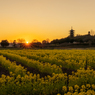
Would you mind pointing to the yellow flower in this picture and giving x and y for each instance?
(83, 87)
(71, 89)
(28, 72)
(93, 86)
(81, 90)
(64, 88)
(69, 93)
(76, 87)
(88, 86)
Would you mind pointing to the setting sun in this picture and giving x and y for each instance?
(27, 42)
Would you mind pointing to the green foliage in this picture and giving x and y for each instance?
(22, 82)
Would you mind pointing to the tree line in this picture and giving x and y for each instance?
(47, 43)
(22, 43)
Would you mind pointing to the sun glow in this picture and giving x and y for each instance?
(27, 42)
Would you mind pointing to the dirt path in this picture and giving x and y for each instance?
(3, 71)
(30, 69)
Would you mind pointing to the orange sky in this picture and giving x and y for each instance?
(42, 19)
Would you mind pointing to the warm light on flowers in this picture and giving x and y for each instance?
(51, 62)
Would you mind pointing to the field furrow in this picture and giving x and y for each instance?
(47, 72)
(44, 68)
(68, 60)
(3, 71)
(29, 69)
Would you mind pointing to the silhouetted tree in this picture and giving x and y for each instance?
(36, 43)
(55, 41)
(21, 40)
(47, 40)
(14, 43)
(44, 42)
(72, 40)
(4, 43)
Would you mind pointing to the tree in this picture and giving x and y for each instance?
(44, 42)
(47, 40)
(35, 41)
(55, 41)
(4, 43)
(36, 44)
(14, 43)
(21, 40)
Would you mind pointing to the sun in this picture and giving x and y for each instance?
(27, 42)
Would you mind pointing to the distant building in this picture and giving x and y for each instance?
(71, 33)
(89, 33)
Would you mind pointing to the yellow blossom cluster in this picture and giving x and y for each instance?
(22, 82)
(12, 67)
(44, 68)
(73, 59)
(31, 84)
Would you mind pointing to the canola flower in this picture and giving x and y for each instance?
(46, 67)
(81, 82)
(68, 59)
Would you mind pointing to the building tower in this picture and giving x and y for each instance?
(89, 33)
(71, 33)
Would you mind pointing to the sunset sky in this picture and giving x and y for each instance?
(42, 19)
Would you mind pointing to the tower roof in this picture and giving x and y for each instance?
(71, 32)
(72, 28)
